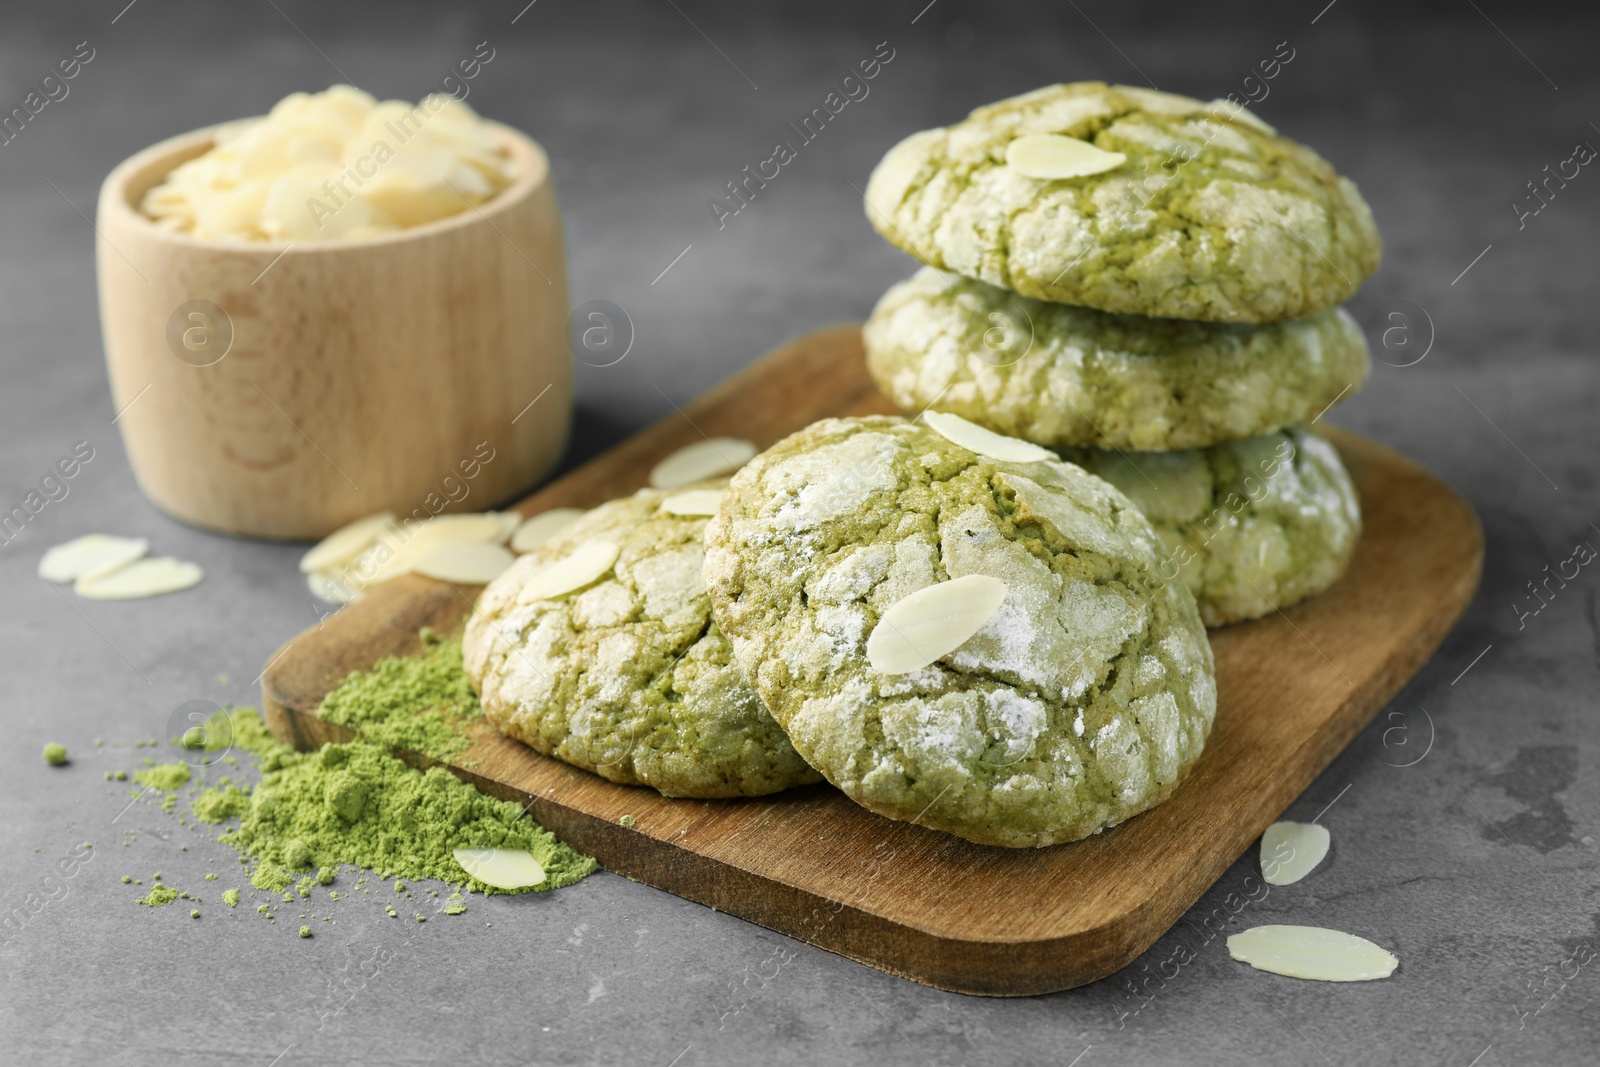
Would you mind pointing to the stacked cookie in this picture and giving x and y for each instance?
(1149, 285)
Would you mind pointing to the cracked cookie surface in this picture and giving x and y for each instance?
(1211, 216)
(1068, 376)
(628, 676)
(1082, 701)
(1252, 526)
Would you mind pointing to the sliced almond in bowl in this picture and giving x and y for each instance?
(503, 868)
(933, 622)
(89, 556)
(974, 438)
(346, 543)
(1312, 952)
(464, 562)
(1051, 156)
(142, 578)
(693, 502)
(701, 460)
(572, 571)
(542, 527)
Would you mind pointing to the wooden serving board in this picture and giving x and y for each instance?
(1293, 689)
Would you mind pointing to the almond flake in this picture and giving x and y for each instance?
(693, 502)
(573, 571)
(1050, 156)
(933, 622)
(411, 543)
(701, 460)
(542, 527)
(333, 588)
(1292, 850)
(974, 438)
(145, 577)
(345, 544)
(90, 556)
(1312, 952)
(474, 526)
(368, 568)
(503, 868)
(464, 562)
(509, 522)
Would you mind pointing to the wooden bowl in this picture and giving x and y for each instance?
(282, 391)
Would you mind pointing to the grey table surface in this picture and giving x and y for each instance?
(1463, 819)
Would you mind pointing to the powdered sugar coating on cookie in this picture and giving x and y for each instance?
(1251, 526)
(821, 534)
(627, 675)
(1068, 376)
(1210, 217)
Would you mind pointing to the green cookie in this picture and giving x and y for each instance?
(1066, 376)
(1252, 525)
(626, 675)
(1210, 215)
(1080, 702)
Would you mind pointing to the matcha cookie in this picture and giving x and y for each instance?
(1252, 526)
(1207, 215)
(598, 648)
(1080, 694)
(1066, 376)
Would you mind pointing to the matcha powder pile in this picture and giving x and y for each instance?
(355, 803)
(420, 702)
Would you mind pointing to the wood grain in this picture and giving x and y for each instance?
(1293, 689)
(362, 375)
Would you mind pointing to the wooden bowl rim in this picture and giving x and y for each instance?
(533, 171)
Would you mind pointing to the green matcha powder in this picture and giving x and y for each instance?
(355, 803)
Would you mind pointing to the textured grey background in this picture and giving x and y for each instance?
(1477, 865)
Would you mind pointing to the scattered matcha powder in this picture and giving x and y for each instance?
(55, 754)
(355, 803)
(421, 703)
(194, 913)
(211, 877)
(305, 931)
(166, 777)
(216, 805)
(158, 895)
(626, 822)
